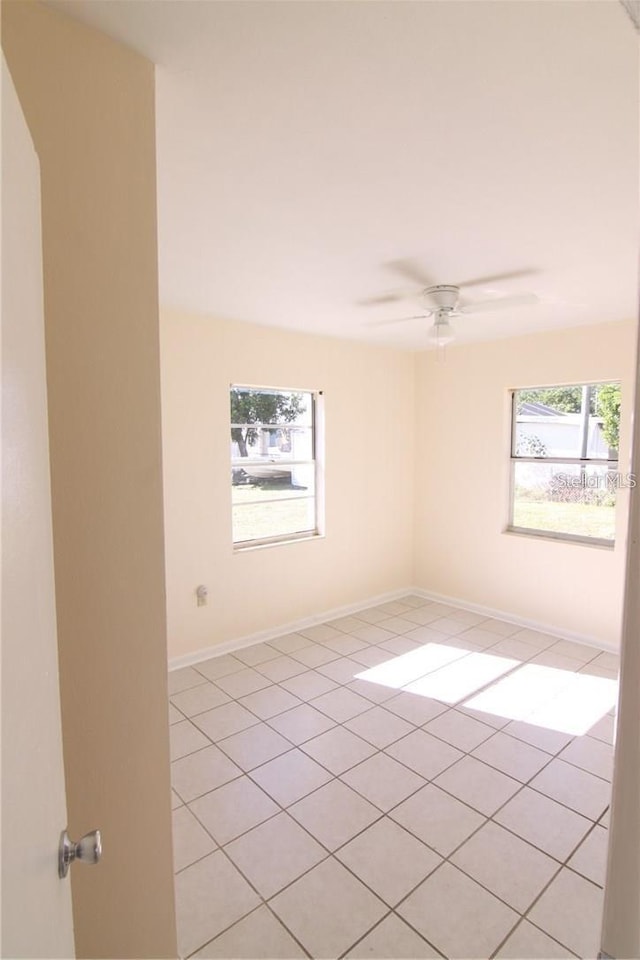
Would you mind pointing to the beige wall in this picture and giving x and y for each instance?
(368, 397)
(462, 488)
(89, 103)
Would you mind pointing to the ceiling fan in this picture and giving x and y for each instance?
(443, 302)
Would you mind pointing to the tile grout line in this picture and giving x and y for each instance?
(377, 750)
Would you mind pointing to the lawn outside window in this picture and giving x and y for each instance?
(274, 464)
(564, 462)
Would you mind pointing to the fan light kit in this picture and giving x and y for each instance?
(442, 301)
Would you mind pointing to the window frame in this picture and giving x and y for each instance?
(583, 539)
(316, 462)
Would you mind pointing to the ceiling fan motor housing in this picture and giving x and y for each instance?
(443, 296)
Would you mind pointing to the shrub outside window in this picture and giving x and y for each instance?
(564, 461)
(274, 468)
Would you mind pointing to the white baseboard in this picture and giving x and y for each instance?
(228, 646)
(524, 622)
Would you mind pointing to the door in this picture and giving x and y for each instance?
(36, 904)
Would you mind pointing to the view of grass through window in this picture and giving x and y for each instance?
(273, 464)
(564, 461)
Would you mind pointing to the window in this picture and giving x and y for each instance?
(564, 461)
(274, 464)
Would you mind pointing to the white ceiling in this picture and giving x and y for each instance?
(304, 147)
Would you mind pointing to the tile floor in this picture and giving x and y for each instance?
(410, 781)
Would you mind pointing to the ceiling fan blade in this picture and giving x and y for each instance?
(383, 298)
(501, 303)
(384, 323)
(411, 270)
(496, 278)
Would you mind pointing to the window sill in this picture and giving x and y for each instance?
(246, 548)
(565, 538)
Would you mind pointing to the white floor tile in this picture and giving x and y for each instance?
(290, 777)
(379, 727)
(383, 781)
(183, 679)
(438, 819)
(198, 699)
(372, 633)
(482, 637)
(371, 615)
(269, 702)
(423, 753)
(460, 679)
(343, 670)
(174, 715)
(551, 741)
(392, 938)
(334, 814)
(274, 854)
(175, 800)
(341, 704)
(345, 644)
(320, 632)
(201, 772)
(290, 642)
(259, 936)
(590, 754)
(449, 626)
(301, 724)
(190, 840)
(256, 654)
(371, 656)
(528, 941)
(513, 757)
(459, 729)
(536, 638)
(513, 870)
(223, 721)
(338, 749)
(398, 645)
(328, 910)
(220, 667)
(242, 683)
(389, 860)
(375, 692)
(314, 655)
(604, 729)
(210, 896)
(577, 651)
(233, 809)
(460, 918)
(398, 625)
(346, 624)
(253, 747)
(477, 784)
(570, 911)
(414, 708)
(308, 685)
(184, 738)
(501, 627)
(282, 668)
(422, 615)
(590, 859)
(576, 788)
(547, 824)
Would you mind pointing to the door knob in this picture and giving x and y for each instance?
(88, 849)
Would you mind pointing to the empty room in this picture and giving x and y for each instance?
(327, 379)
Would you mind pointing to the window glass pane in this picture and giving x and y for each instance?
(565, 498)
(552, 421)
(261, 483)
(259, 521)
